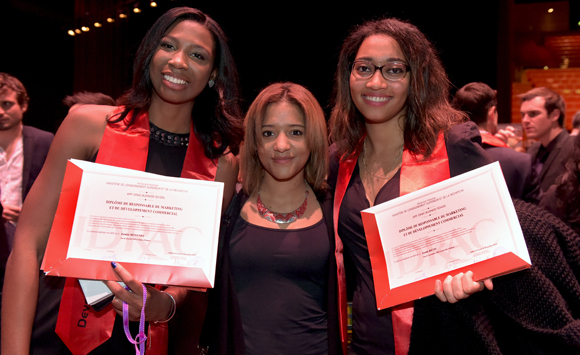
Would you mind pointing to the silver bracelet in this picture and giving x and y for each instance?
(171, 311)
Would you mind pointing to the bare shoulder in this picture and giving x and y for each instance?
(90, 117)
(228, 163)
(82, 130)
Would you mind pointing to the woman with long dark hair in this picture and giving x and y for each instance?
(180, 118)
(394, 132)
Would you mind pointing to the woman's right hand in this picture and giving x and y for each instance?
(460, 286)
(158, 306)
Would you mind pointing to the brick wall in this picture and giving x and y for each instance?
(566, 82)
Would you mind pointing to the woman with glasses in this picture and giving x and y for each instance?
(180, 118)
(390, 117)
(276, 282)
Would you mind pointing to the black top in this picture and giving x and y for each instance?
(372, 329)
(549, 162)
(161, 159)
(280, 276)
(223, 331)
(165, 160)
(522, 180)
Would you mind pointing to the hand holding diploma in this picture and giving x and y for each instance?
(450, 227)
(158, 306)
(460, 286)
(154, 224)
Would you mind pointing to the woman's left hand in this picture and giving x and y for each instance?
(459, 287)
(157, 306)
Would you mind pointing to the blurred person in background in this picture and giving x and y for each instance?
(479, 102)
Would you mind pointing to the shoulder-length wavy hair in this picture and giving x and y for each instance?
(428, 108)
(315, 129)
(217, 117)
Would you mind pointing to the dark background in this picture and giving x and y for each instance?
(289, 41)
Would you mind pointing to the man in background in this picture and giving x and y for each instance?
(542, 112)
(23, 150)
(479, 102)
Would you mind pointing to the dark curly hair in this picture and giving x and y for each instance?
(86, 97)
(217, 117)
(568, 188)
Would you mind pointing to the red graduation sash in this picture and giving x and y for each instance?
(489, 139)
(79, 326)
(415, 174)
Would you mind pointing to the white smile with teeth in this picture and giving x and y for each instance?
(174, 80)
(376, 98)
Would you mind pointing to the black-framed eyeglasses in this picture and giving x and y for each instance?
(362, 69)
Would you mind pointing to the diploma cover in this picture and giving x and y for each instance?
(466, 223)
(127, 147)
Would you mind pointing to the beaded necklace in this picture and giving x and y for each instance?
(282, 218)
(168, 138)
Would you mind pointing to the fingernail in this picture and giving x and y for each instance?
(113, 264)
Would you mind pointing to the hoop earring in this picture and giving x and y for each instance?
(211, 83)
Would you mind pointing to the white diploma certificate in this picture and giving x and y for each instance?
(140, 218)
(460, 224)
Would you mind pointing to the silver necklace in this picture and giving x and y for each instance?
(392, 170)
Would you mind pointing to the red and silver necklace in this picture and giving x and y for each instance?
(282, 218)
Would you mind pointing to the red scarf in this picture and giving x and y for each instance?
(415, 174)
(489, 139)
(78, 325)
